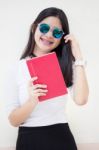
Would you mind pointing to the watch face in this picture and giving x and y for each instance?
(80, 63)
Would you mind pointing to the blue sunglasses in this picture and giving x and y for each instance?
(56, 32)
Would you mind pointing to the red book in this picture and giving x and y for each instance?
(48, 71)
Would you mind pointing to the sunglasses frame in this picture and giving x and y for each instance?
(52, 30)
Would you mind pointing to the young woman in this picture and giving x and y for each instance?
(43, 125)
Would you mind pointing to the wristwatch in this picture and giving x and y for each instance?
(80, 62)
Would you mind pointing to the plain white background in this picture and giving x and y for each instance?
(83, 15)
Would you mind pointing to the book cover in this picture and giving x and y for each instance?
(48, 71)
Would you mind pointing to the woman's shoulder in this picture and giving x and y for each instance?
(23, 60)
(13, 66)
(20, 62)
(17, 65)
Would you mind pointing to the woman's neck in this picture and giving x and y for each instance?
(38, 52)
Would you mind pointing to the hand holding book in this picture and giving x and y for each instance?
(48, 71)
(36, 90)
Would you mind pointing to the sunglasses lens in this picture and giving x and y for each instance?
(57, 33)
(44, 28)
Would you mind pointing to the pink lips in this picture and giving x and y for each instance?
(46, 42)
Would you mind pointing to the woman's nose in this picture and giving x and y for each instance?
(49, 34)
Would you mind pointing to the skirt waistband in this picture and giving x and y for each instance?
(40, 128)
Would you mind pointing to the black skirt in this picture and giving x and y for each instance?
(52, 137)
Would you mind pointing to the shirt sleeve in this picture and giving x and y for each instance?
(11, 90)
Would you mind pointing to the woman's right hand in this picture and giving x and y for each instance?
(36, 90)
(19, 115)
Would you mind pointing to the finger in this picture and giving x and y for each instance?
(66, 40)
(67, 36)
(35, 93)
(32, 80)
(41, 94)
(40, 86)
(40, 91)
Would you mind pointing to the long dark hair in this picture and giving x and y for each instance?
(63, 51)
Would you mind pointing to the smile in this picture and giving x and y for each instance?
(46, 42)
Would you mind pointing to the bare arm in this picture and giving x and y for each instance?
(80, 87)
(19, 115)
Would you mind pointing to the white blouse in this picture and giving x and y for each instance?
(47, 112)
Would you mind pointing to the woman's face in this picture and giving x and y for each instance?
(45, 42)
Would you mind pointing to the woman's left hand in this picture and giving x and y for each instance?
(74, 45)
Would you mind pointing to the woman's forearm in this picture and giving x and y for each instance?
(19, 115)
(80, 89)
